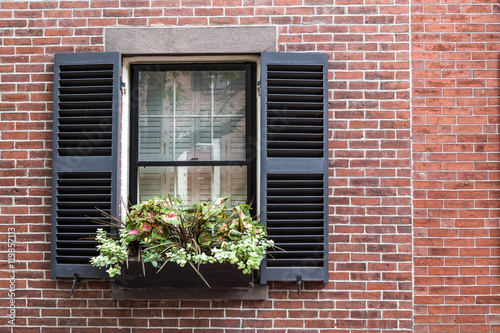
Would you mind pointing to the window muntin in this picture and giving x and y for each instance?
(192, 132)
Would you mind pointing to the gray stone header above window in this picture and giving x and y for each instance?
(191, 40)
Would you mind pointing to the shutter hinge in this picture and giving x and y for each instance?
(258, 87)
(75, 280)
(123, 87)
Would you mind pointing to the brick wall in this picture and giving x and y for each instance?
(370, 167)
(456, 165)
(448, 149)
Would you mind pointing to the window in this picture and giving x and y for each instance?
(193, 132)
(196, 136)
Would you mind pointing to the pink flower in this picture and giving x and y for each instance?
(133, 232)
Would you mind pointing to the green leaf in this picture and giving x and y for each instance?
(210, 225)
(235, 232)
(131, 238)
(166, 220)
(205, 239)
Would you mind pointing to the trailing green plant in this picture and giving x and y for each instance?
(162, 229)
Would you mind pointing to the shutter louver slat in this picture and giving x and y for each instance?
(294, 187)
(74, 242)
(85, 158)
(290, 88)
(292, 212)
(85, 87)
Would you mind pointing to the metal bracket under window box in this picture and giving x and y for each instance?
(175, 282)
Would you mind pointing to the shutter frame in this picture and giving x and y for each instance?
(85, 156)
(294, 165)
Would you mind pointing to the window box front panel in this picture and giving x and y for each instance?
(218, 275)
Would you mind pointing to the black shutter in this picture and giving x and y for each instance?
(85, 156)
(294, 165)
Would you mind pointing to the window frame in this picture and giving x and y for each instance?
(251, 121)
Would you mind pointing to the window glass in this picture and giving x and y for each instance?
(194, 183)
(191, 137)
(191, 115)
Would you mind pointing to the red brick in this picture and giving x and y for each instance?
(104, 3)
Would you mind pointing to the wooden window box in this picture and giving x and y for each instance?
(175, 282)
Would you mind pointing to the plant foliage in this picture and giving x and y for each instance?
(162, 230)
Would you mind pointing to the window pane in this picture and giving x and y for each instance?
(194, 184)
(191, 115)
